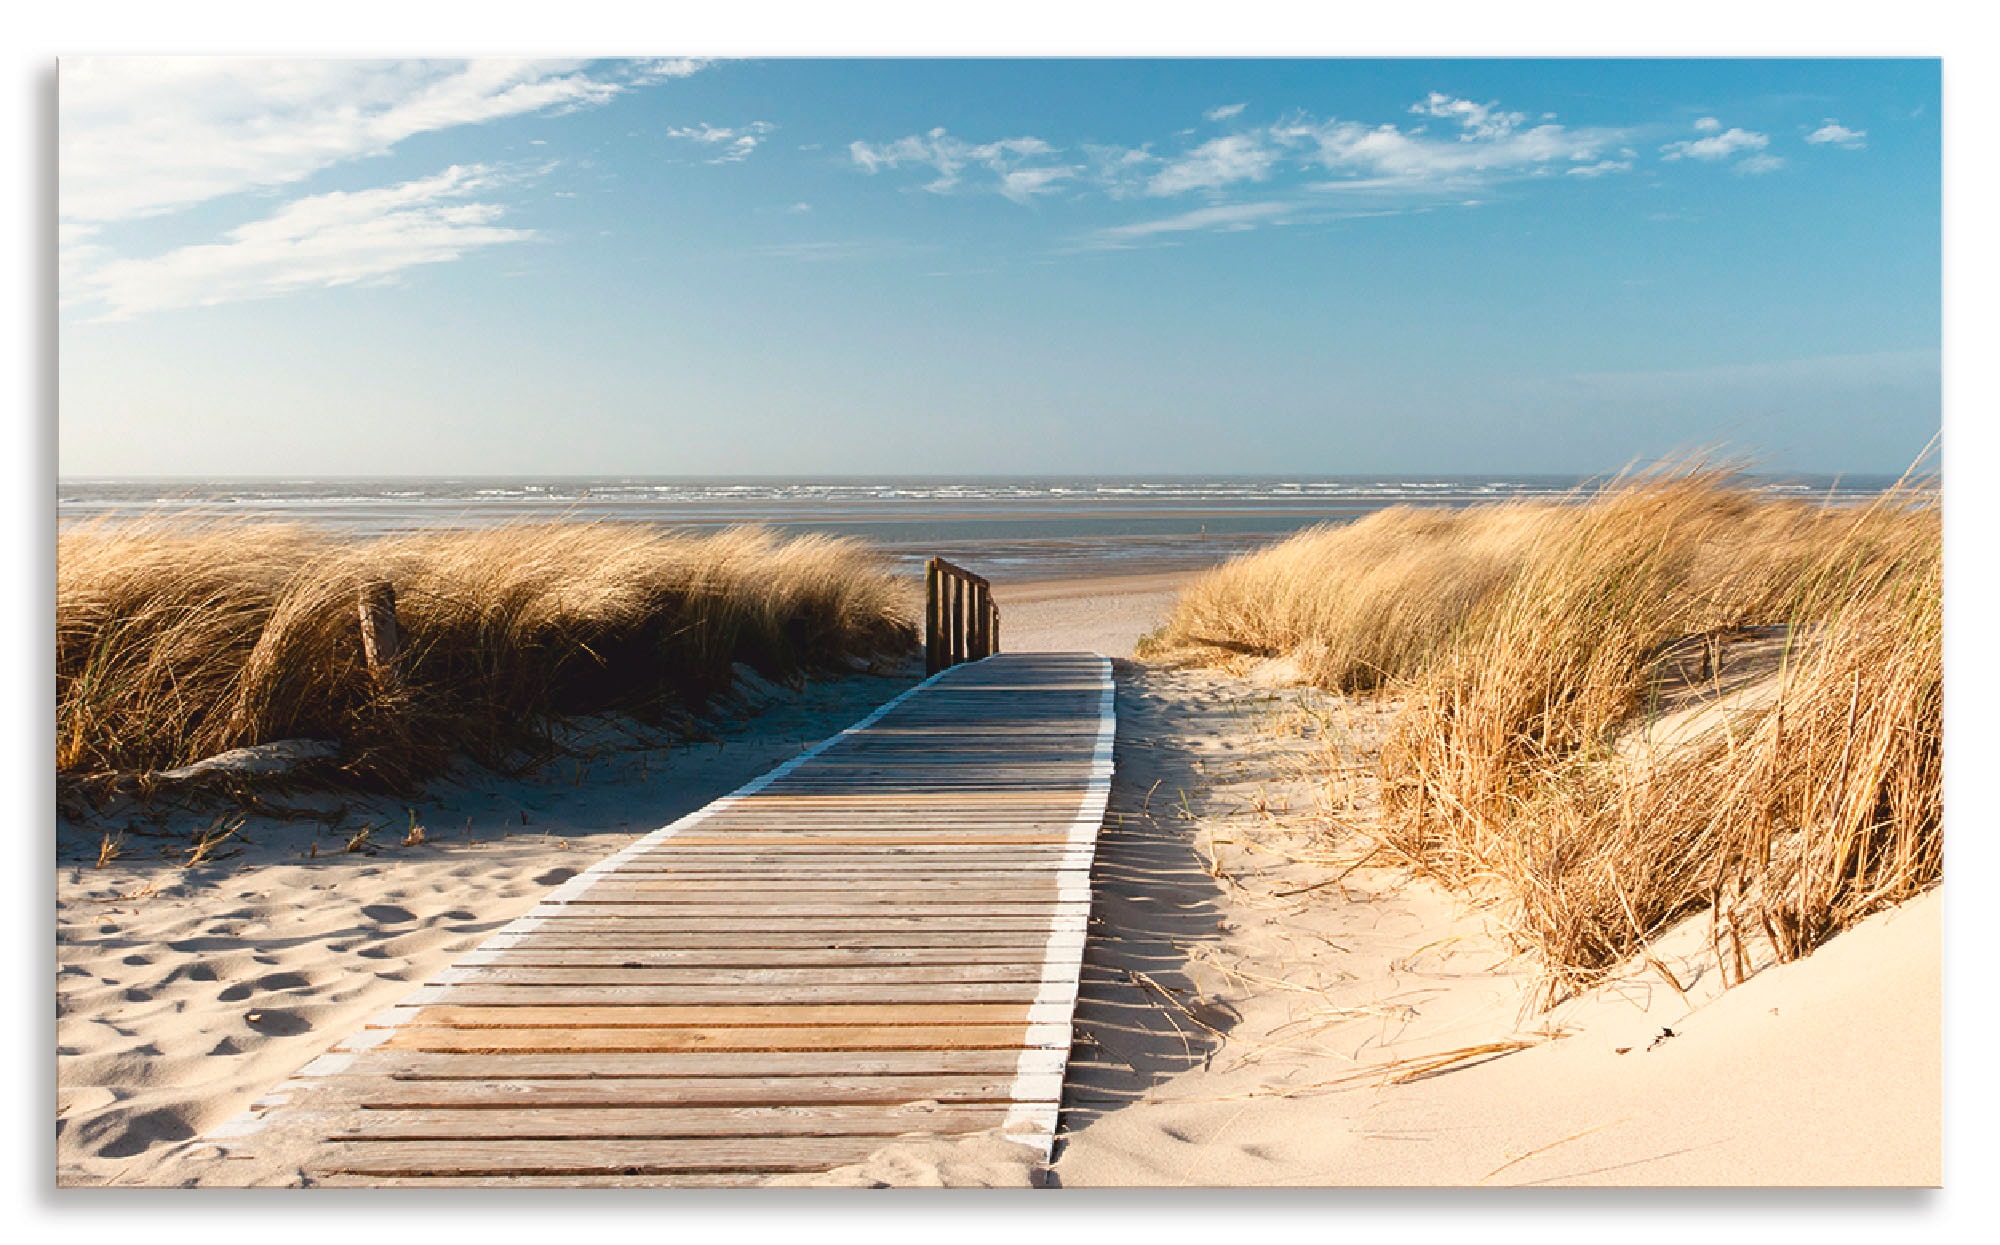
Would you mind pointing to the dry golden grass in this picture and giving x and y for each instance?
(176, 640)
(1526, 640)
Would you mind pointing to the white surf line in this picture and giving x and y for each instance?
(377, 1029)
(1038, 1078)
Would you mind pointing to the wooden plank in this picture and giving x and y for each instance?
(941, 946)
(594, 1158)
(527, 1123)
(782, 1038)
(719, 1016)
(732, 1067)
(850, 927)
(756, 977)
(742, 1091)
(637, 913)
(859, 886)
(678, 1180)
(757, 993)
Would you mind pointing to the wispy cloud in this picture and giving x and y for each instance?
(1839, 135)
(1296, 209)
(1717, 146)
(1217, 163)
(342, 238)
(141, 136)
(1228, 217)
(1224, 112)
(1488, 145)
(739, 142)
(1479, 122)
(1763, 162)
(146, 136)
(1600, 168)
(950, 157)
(663, 68)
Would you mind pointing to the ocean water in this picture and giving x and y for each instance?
(1015, 527)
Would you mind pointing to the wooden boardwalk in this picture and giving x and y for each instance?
(880, 939)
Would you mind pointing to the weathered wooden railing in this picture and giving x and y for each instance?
(961, 622)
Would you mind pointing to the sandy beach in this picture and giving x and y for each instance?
(1264, 1001)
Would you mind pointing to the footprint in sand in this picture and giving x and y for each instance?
(387, 913)
(277, 1022)
(555, 877)
(129, 1133)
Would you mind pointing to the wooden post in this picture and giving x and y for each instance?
(380, 641)
(957, 619)
(982, 610)
(933, 618)
(972, 621)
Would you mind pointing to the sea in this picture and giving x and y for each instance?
(1005, 527)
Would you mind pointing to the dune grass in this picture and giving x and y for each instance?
(1526, 640)
(178, 639)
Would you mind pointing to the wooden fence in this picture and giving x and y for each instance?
(961, 622)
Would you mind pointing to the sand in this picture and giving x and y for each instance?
(1105, 615)
(1253, 986)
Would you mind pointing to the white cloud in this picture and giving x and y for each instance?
(1232, 218)
(1120, 171)
(341, 238)
(1716, 146)
(1480, 122)
(1834, 132)
(950, 157)
(1600, 168)
(1217, 163)
(1224, 112)
(1490, 147)
(1760, 164)
(1021, 185)
(800, 208)
(740, 142)
(1223, 216)
(664, 68)
(140, 136)
(1707, 125)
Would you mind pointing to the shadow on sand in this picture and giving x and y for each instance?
(1139, 1017)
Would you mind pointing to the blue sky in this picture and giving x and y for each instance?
(807, 266)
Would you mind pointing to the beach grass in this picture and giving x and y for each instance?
(1529, 644)
(178, 639)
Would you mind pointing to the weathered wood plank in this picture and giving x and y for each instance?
(752, 978)
(979, 944)
(758, 993)
(528, 1123)
(499, 1094)
(783, 1038)
(718, 1016)
(721, 1066)
(594, 1158)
